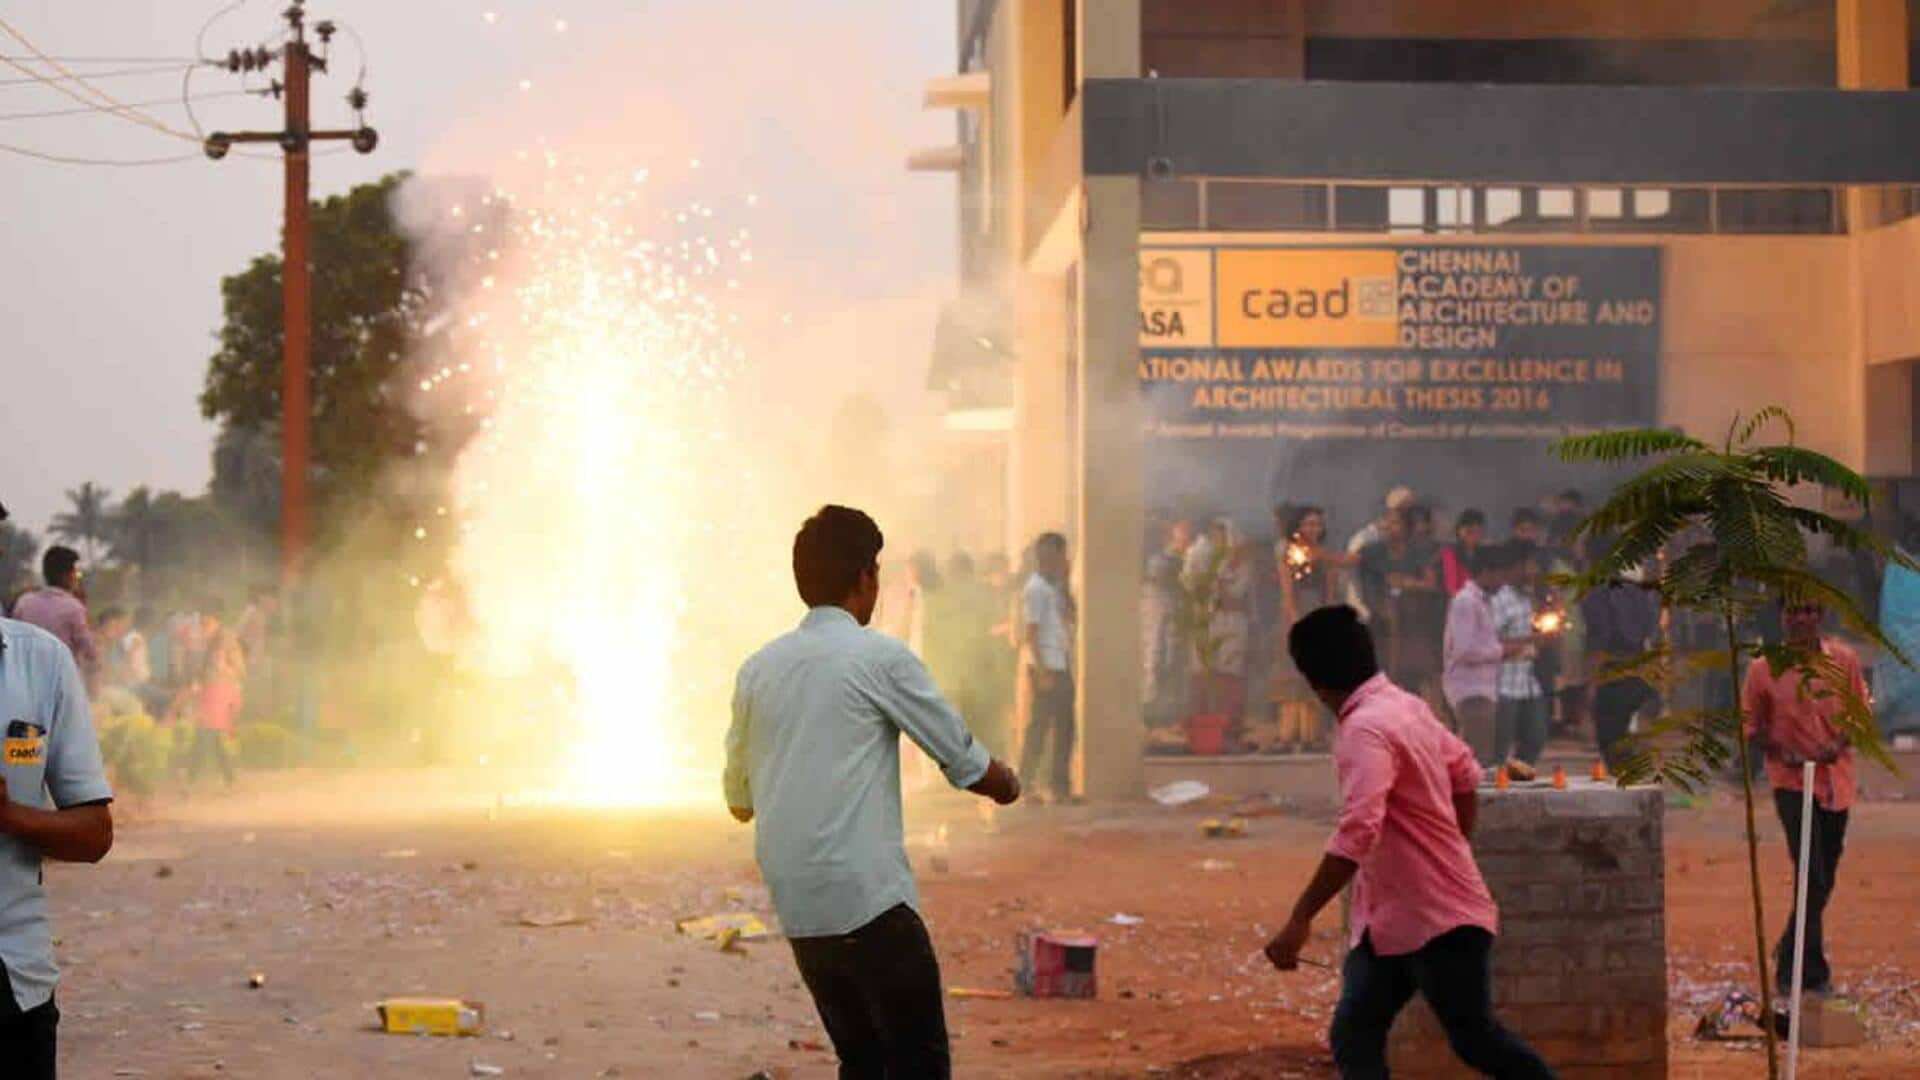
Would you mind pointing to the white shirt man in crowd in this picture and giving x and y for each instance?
(1048, 612)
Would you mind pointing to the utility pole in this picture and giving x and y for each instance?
(295, 139)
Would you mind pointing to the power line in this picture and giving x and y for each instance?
(63, 159)
(101, 59)
(70, 159)
(156, 69)
(114, 106)
(78, 111)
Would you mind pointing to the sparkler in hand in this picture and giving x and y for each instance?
(1549, 622)
(1298, 558)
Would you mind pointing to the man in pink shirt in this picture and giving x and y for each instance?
(1422, 916)
(1790, 728)
(57, 610)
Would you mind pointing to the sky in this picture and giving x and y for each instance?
(111, 289)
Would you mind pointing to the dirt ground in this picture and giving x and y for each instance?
(341, 889)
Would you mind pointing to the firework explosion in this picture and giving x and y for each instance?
(592, 360)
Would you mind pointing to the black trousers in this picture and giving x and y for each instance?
(878, 992)
(1051, 720)
(1823, 865)
(1614, 706)
(26, 1038)
(1454, 973)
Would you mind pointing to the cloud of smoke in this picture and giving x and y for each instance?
(679, 261)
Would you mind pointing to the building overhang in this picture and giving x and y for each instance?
(936, 159)
(1163, 128)
(967, 90)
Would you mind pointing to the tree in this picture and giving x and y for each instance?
(87, 523)
(1739, 544)
(367, 309)
(18, 549)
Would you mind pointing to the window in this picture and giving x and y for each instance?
(1503, 205)
(1556, 202)
(1605, 204)
(1070, 51)
(1266, 205)
(1406, 209)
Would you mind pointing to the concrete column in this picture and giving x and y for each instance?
(1040, 449)
(1870, 37)
(1112, 491)
(1111, 501)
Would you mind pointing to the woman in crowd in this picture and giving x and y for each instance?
(1309, 578)
(1456, 559)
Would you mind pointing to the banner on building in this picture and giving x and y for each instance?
(1276, 374)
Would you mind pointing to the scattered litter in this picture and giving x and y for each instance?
(811, 1046)
(481, 1068)
(256, 980)
(1123, 919)
(1180, 793)
(746, 926)
(400, 853)
(1730, 1018)
(192, 1025)
(129, 1071)
(546, 919)
(163, 871)
(1214, 866)
(729, 939)
(1056, 965)
(431, 1016)
(707, 1016)
(967, 993)
(1231, 829)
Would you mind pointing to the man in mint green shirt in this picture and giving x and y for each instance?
(813, 758)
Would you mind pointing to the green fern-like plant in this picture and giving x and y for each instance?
(1735, 543)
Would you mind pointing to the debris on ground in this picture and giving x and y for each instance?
(256, 980)
(968, 993)
(1232, 828)
(811, 1046)
(1214, 866)
(1119, 918)
(707, 1016)
(1180, 793)
(545, 919)
(745, 925)
(431, 1016)
(481, 1068)
(1057, 965)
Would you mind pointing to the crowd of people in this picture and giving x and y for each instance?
(191, 669)
(1219, 601)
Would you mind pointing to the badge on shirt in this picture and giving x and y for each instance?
(26, 743)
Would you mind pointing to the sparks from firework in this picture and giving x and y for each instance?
(592, 358)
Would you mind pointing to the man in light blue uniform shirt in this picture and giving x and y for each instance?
(813, 757)
(54, 805)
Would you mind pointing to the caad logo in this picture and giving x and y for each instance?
(1307, 297)
(26, 743)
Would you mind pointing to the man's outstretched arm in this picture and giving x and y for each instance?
(71, 834)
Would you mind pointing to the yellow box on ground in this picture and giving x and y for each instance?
(1307, 298)
(431, 1016)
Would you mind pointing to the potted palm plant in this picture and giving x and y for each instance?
(1206, 729)
(1732, 542)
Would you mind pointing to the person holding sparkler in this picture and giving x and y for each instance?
(1309, 579)
(813, 759)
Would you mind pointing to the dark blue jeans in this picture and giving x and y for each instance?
(1454, 973)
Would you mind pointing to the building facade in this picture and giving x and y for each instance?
(1225, 256)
